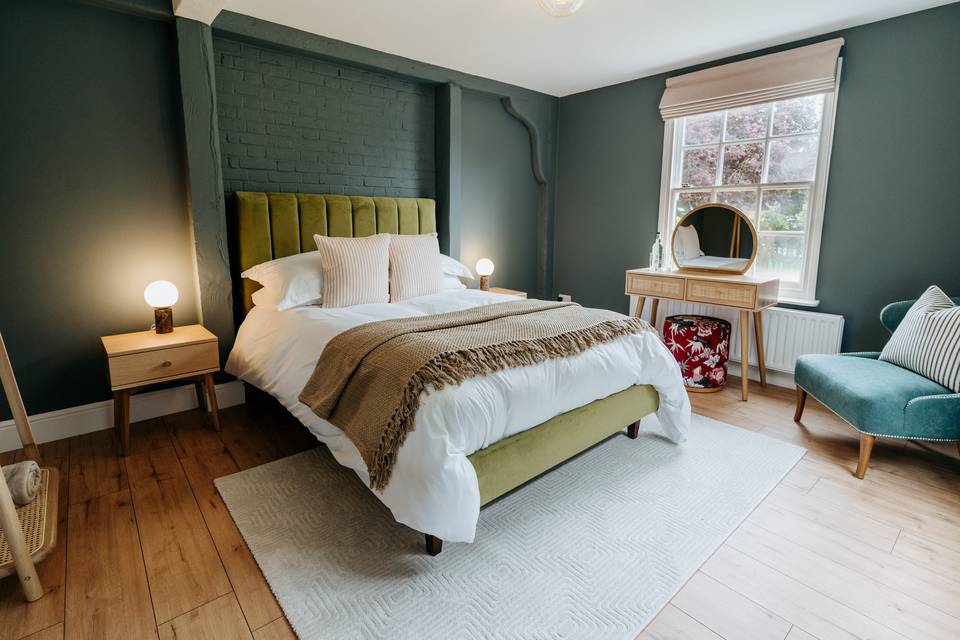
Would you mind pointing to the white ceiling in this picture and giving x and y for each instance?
(606, 42)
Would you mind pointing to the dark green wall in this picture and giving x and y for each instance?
(500, 195)
(891, 223)
(94, 199)
(536, 132)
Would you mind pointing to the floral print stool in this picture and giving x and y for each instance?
(701, 345)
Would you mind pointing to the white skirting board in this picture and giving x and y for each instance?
(96, 416)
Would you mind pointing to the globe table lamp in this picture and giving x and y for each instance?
(484, 270)
(162, 295)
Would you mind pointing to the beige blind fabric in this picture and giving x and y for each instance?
(778, 76)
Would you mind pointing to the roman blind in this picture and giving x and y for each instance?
(788, 74)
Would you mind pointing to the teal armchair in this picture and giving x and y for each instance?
(879, 399)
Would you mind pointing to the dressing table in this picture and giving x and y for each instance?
(714, 278)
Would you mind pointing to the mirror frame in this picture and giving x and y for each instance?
(742, 215)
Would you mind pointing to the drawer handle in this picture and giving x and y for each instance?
(166, 363)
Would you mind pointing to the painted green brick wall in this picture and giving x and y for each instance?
(892, 221)
(295, 123)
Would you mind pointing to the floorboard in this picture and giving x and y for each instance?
(220, 618)
(250, 587)
(107, 592)
(728, 613)
(182, 563)
(279, 629)
(148, 540)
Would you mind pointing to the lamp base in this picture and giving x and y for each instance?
(485, 283)
(163, 319)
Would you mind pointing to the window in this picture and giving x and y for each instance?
(770, 161)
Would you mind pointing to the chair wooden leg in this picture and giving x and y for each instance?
(633, 431)
(801, 402)
(434, 545)
(866, 449)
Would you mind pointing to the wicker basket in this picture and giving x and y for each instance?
(39, 522)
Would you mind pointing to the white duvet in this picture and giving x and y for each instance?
(433, 487)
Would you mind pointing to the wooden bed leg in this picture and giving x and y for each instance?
(866, 449)
(434, 545)
(801, 401)
(633, 431)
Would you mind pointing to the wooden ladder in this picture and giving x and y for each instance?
(22, 559)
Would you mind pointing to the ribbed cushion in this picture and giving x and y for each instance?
(927, 341)
(355, 270)
(415, 268)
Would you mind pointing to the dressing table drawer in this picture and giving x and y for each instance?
(727, 294)
(655, 286)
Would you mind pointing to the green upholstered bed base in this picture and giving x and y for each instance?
(265, 226)
(507, 464)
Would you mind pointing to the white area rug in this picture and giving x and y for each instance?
(592, 549)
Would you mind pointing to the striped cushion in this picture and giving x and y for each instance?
(355, 270)
(415, 268)
(927, 341)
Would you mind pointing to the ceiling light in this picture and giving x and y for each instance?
(561, 8)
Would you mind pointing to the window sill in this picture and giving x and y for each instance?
(799, 302)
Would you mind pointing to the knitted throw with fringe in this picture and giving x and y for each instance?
(369, 379)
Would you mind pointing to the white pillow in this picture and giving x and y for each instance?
(453, 267)
(925, 341)
(288, 282)
(414, 266)
(355, 270)
(688, 242)
(452, 283)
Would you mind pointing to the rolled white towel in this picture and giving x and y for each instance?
(23, 479)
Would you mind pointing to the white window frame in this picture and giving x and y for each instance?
(806, 293)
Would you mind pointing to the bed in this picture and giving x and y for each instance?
(472, 443)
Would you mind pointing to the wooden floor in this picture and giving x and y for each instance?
(148, 549)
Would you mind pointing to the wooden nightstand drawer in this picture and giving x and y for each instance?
(728, 294)
(656, 286)
(147, 367)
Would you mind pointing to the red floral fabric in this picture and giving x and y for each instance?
(701, 345)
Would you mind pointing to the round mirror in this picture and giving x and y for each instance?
(715, 238)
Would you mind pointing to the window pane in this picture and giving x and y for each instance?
(747, 123)
(746, 201)
(688, 201)
(780, 257)
(800, 115)
(702, 129)
(784, 209)
(793, 159)
(742, 163)
(699, 168)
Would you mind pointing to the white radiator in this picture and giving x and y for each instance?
(787, 333)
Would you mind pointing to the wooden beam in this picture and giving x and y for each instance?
(449, 155)
(205, 177)
(200, 10)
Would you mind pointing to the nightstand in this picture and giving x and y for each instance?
(140, 359)
(508, 292)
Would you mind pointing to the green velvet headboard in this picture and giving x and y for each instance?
(264, 226)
